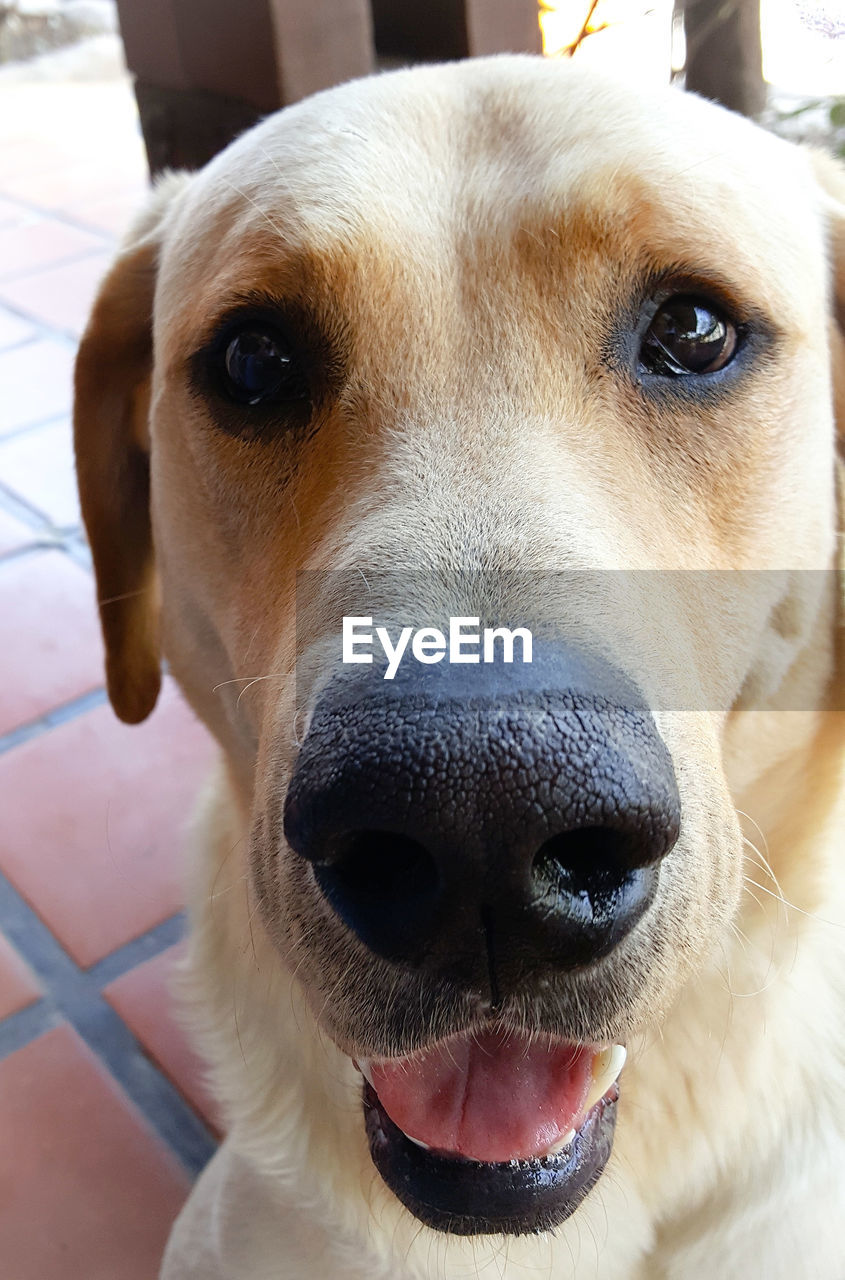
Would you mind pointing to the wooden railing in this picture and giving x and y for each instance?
(205, 70)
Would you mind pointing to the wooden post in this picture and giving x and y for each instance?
(436, 30)
(502, 26)
(724, 53)
(319, 43)
(205, 70)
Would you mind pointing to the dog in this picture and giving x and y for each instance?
(498, 343)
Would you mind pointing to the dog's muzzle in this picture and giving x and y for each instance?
(487, 825)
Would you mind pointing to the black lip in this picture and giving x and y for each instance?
(469, 1198)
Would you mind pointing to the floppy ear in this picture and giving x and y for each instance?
(112, 393)
(830, 174)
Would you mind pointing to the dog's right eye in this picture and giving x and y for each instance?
(257, 366)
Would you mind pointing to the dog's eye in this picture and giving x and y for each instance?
(259, 366)
(687, 335)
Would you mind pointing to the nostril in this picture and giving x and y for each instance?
(382, 885)
(590, 887)
(591, 860)
(381, 864)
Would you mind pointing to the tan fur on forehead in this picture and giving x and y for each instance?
(502, 195)
(325, 173)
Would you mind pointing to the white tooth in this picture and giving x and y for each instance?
(365, 1069)
(561, 1143)
(606, 1068)
(618, 1054)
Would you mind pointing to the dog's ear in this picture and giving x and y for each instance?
(112, 395)
(830, 174)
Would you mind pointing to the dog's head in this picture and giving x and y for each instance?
(504, 342)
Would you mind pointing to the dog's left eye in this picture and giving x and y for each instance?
(687, 336)
(259, 366)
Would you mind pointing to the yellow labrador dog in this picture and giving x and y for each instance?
(423, 378)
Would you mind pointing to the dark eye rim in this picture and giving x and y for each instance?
(239, 417)
(758, 336)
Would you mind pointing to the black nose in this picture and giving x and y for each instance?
(484, 822)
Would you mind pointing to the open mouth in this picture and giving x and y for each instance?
(494, 1132)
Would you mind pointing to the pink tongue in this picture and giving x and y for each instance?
(487, 1097)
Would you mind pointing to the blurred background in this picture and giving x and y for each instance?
(103, 1111)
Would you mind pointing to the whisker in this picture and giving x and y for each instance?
(255, 680)
(126, 595)
(246, 680)
(278, 230)
(755, 824)
(811, 915)
(764, 861)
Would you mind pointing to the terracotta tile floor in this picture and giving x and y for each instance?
(104, 1115)
(38, 466)
(36, 377)
(18, 984)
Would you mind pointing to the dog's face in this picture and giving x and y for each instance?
(496, 340)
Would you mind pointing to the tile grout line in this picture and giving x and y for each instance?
(70, 542)
(19, 509)
(43, 268)
(41, 542)
(20, 1028)
(34, 317)
(74, 995)
(67, 219)
(53, 420)
(62, 714)
(22, 342)
(45, 330)
(24, 505)
(46, 956)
